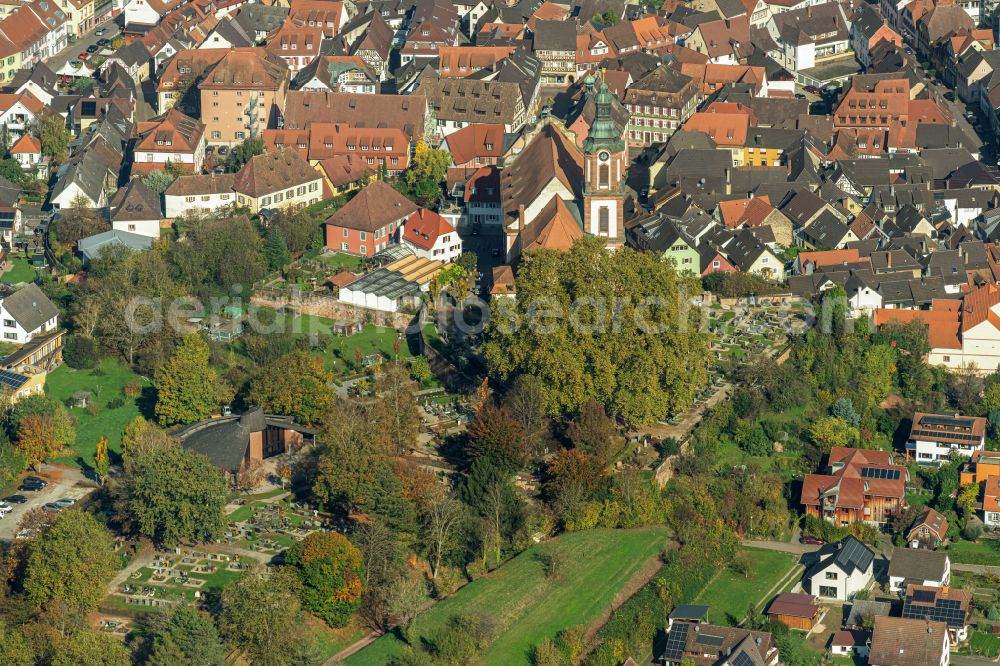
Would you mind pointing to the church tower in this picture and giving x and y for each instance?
(605, 169)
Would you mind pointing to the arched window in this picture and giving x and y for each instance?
(604, 175)
(603, 220)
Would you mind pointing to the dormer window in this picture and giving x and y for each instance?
(489, 146)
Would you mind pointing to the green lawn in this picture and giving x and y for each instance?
(347, 262)
(528, 607)
(105, 383)
(730, 594)
(985, 552)
(330, 641)
(371, 340)
(20, 272)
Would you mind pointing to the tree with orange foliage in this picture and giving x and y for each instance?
(574, 468)
(419, 485)
(36, 437)
(498, 436)
(331, 571)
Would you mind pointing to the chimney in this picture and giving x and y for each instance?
(729, 183)
(520, 217)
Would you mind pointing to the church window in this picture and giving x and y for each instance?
(604, 175)
(603, 220)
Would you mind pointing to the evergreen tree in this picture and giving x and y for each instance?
(276, 250)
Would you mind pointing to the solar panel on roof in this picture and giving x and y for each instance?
(710, 640)
(924, 596)
(742, 659)
(879, 473)
(12, 379)
(676, 640)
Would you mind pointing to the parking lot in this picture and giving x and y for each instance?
(64, 482)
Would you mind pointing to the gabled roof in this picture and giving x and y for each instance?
(476, 140)
(171, 132)
(272, 172)
(902, 642)
(27, 144)
(550, 155)
(424, 227)
(372, 208)
(554, 228)
(30, 307)
(405, 112)
(135, 203)
(918, 564)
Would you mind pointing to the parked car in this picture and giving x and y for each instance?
(93, 48)
(811, 540)
(83, 55)
(76, 64)
(812, 89)
(223, 150)
(15, 499)
(52, 506)
(65, 502)
(100, 31)
(103, 42)
(35, 479)
(5, 509)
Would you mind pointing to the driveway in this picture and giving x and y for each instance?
(63, 482)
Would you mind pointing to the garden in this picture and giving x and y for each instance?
(21, 271)
(568, 581)
(108, 409)
(751, 580)
(186, 575)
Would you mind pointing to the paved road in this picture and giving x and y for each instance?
(73, 50)
(63, 482)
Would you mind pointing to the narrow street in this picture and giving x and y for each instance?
(71, 51)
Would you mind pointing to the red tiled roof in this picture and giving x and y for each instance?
(423, 228)
(795, 604)
(474, 141)
(26, 144)
(991, 494)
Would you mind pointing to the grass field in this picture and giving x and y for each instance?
(330, 641)
(21, 271)
(110, 375)
(730, 594)
(347, 262)
(528, 607)
(985, 552)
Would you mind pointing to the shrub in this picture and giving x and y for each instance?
(81, 352)
(132, 390)
(972, 532)
(116, 403)
(93, 409)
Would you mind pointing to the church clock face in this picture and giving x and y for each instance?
(603, 156)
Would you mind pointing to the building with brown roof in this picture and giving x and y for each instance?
(328, 15)
(962, 333)
(939, 437)
(457, 103)
(475, 145)
(242, 95)
(381, 149)
(708, 644)
(940, 604)
(296, 43)
(405, 112)
(556, 227)
(369, 222)
(659, 103)
(796, 610)
(199, 195)
(277, 179)
(929, 530)
(172, 138)
(859, 485)
(550, 165)
(900, 641)
(463, 61)
(349, 74)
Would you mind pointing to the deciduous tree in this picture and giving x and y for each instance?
(262, 616)
(332, 575)
(187, 388)
(55, 139)
(593, 431)
(559, 330)
(171, 494)
(396, 408)
(36, 438)
(71, 563)
(101, 460)
(87, 648)
(297, 384)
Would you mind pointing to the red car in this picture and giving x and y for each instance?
(811, 540)
(83, 56)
